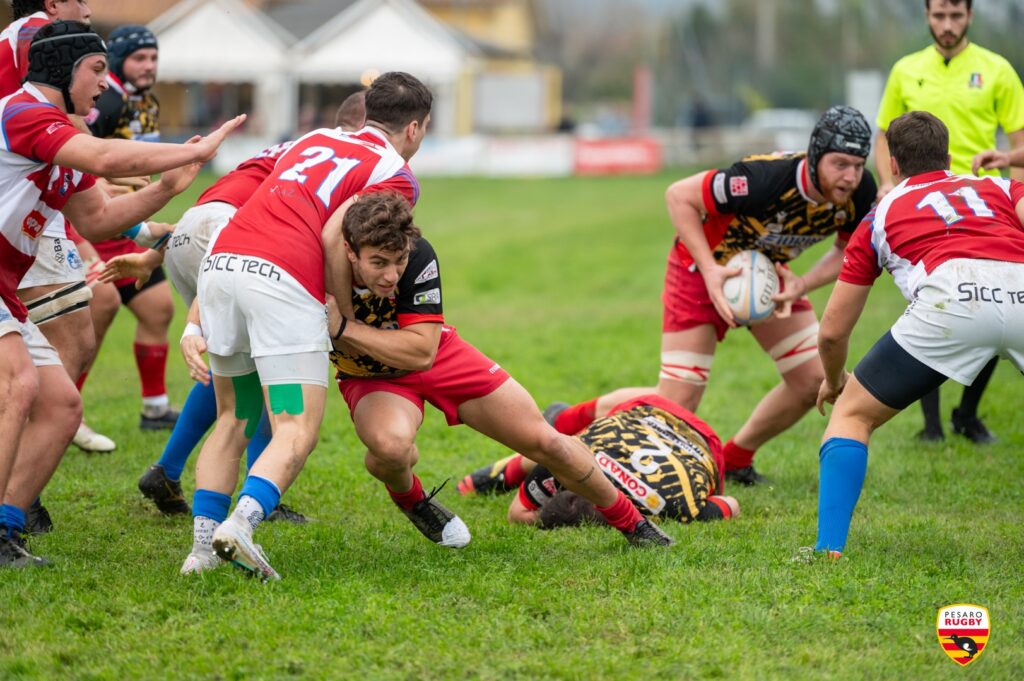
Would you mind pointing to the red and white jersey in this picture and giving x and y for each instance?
(931, 218)
(33, 189)
(283, 220)
(14, 43)
(240, 184)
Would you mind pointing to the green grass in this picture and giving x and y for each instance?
(560, 281)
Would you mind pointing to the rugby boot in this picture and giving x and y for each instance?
(929, 434)
(164, 421)
(200, 561)
(806, 555)
(745, 476)
(437, 523)
(972, 428)
(88, 440)
(162, 491)
(487, 480)
(552, 411)
(13, 553)
(37, 519)
(647, 534)
(286, 514)
(233, 543)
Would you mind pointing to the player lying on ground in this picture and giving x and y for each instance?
(779, 205)
(955, 247)
(397, 354)
(665, 459)
(261, 298)
(47, 166)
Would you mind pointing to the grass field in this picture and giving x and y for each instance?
(560, 281)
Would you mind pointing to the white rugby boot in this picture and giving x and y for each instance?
(200, 561)
(233, 543)
(88, 440)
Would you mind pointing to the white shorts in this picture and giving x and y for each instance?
(57, 262)
(39, 349)
(249, 306)
(965, 313)
(188, 245)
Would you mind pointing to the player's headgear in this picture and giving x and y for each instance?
(55, 52)
(127, 39)
(841, 128)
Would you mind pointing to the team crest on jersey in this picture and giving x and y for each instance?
(54, 127)
(963, 631)
(738, 185)
(975, 81)
(429, 272)
(431, 297)
(33, 225)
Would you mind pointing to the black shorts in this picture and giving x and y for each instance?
(893, 376)
(128, 291)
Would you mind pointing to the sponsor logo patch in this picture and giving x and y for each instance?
(54, 127)
(738, 185)
(963, 631)
(634, 486)
(33, 224)
(431, 297)
(429, 272)
(718, 188)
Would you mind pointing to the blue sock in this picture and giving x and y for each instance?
(209, 504)
(844, 463)
(13, 517)
(263, 491)
(197, 415)
(260, 440)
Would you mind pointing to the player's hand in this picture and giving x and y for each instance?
(830, 393)
(884, 189)
(714, 280)
(207, 146)
(990, 160)
(178, 180)
(138, 266)
(112, 188)
(192, 349)
(792, 287)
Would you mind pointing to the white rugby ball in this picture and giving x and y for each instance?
(750, 294)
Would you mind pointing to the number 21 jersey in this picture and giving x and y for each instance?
(283, 221)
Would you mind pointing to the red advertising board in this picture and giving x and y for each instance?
(621, 156)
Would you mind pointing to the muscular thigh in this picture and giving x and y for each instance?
(686, 358)
(792, 343)
(382, 419)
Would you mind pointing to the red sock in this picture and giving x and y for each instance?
(514, 473)
(81, 381)
(577, 417)
(736, 456)
(406, 500)
(152, 363)
(722, 506)
(622, 514)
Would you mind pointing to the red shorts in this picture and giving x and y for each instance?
(460, 373)
(687, 303)
(114, 247)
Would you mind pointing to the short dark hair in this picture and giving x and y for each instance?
(927, 3)
(567, 509)
(352, 112)
(919, 142)
(22, 8)
(396, 99)
(380, 220)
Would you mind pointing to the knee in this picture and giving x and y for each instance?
(546, 445)
(158, 312)
(389, 449)
(22, 387)
(805, 384)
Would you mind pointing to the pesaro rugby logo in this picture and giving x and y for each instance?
(963, 631)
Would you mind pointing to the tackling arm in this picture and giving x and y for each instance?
(842, 311)
(411, 348)
(337, 268)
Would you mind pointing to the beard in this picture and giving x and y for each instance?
(957, 40)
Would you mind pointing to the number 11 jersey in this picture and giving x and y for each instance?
(284, 219)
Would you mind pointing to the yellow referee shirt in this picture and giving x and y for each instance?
(973, 94)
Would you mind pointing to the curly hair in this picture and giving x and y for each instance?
(380, 220)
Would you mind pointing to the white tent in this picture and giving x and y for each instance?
(375, 36)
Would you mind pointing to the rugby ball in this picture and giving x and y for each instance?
(750, 293)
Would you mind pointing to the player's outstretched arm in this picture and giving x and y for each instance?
(123, 158)
(842, 311)
(411, 348)
(685, 202)
(137, 266)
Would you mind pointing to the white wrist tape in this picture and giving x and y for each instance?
(192, 330)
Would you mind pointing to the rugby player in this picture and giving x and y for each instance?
(261, 297)
(779, 205)
(665, 459)
(973, 91)
(128, 109)
(954, 245)
(161, 482)
(47, 166)
(397, 353)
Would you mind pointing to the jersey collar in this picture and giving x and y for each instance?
(115, 83)
(802, 176)
(926, 178)
(377, 134)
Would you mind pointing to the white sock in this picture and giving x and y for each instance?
(202, 534)
(155, 406)
(249, 511)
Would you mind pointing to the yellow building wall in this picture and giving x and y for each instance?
(508, 25)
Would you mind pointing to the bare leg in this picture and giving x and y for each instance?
(154, 310)
(71, 334)
(19, 385)
(690, 378)
(387, 425)
(294, 437)
(217, 465)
